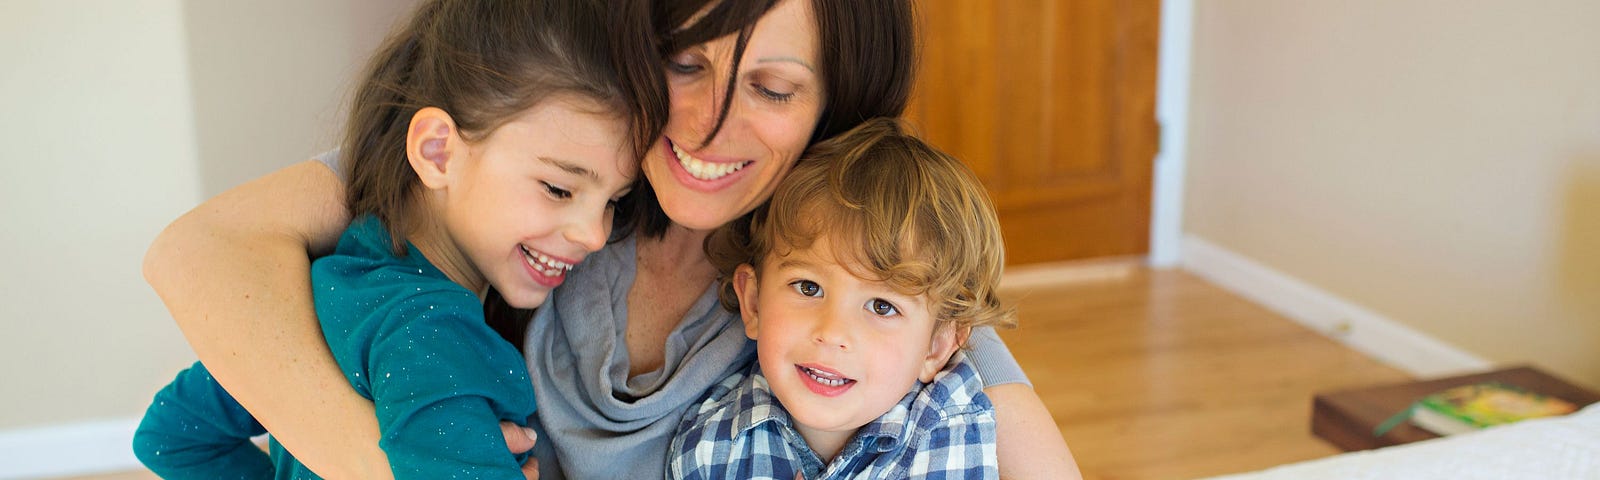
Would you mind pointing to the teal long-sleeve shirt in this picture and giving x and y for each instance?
(407, 338)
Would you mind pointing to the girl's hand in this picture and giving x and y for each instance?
(521, 439)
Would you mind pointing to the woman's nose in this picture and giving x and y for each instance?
(700, 107)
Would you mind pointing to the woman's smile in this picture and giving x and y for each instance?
(708, 170)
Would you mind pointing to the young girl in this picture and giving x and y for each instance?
(487, 150)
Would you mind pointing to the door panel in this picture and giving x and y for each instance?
(1052, 103)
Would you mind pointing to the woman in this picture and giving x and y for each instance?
(745, 99)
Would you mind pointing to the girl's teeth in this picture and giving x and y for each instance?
(705, 170)
(546, 266)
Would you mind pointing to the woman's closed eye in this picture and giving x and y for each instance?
(771, 94)
(556, 192)
(685, 64)
(807, 288)
(772, 86)
(882, 308)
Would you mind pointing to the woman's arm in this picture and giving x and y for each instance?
(1029, 443)
(235, 274)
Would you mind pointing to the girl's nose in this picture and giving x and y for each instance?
(589, 231)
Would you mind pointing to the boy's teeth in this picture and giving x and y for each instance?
(825, 378)
(705, 170)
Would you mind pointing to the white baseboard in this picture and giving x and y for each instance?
(86, 448)
(1376, 336)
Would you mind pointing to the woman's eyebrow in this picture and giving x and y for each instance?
(793, 60)
(571, 167)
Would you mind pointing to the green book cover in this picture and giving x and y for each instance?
(1473, 407)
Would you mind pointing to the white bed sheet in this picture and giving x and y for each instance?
(1551, 448)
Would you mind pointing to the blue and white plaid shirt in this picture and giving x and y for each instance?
(944, 429)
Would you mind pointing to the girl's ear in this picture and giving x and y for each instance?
(430, 140)
(946, 339)
(744, 285)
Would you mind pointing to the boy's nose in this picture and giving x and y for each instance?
(832, 331)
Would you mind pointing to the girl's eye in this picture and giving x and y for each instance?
(555, 192)
(807, 288)
(881, 307)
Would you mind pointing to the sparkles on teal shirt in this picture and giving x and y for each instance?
(407, 338)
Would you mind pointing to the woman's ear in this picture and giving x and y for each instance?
(430, 140)
(744, 285)
(946, 339)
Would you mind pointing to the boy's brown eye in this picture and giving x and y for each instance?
(807, 288)
(881, 307)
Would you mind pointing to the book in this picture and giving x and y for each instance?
(1475, 407)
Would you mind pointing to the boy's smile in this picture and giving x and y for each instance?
(824, 381)
(837, 350)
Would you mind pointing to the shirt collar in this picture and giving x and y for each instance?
(957, 385)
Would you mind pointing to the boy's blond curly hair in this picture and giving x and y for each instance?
(919, 218)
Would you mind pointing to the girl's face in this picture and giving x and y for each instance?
(537, 195)
(776, 103)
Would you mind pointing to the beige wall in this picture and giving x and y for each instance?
(271, 78)
(118, 116)
(1435, 161)
(99, 154)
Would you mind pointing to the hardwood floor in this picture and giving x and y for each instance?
(1158, 374)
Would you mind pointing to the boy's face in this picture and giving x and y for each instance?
(838, 350)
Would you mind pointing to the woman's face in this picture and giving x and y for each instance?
(776, 103)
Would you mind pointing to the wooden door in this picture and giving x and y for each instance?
(1052, 103)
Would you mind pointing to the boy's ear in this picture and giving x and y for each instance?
(430, 140)
(744, 286)
(946, 339)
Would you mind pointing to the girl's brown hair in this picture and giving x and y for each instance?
(896, 210)
(483, 62)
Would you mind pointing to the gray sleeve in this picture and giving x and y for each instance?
(994, 361)
(334, 159)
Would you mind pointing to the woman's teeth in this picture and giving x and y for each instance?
(705, 170)
(825, 378)
(546, 266)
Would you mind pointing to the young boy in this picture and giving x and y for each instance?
(858, 282)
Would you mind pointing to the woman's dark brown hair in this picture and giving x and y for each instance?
(868, 59)
(483, 62)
